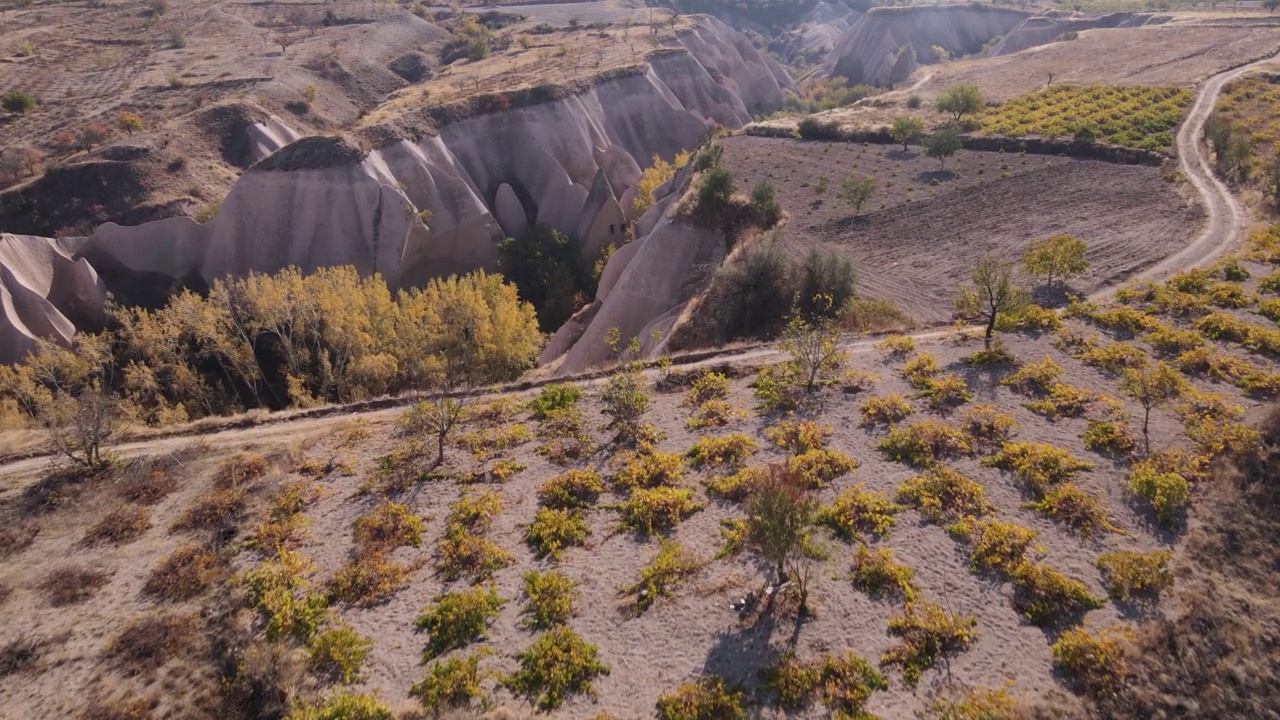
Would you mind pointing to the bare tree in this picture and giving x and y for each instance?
(993, 293)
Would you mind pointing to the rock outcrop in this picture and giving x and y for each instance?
(571, 164)
(1052, 25)
(44, 292)
(870, 48)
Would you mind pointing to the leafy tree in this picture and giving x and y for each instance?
(130, 122)
(757, 290)
(654, 176)
(813, 346)
(781, 510)
(1270, 5)
(1057, 258)
(765, 204)
(18, 102)
(856, 190)
(961, 100)
(548, 270)
(942, 144)
(1152, 386)
(716, 189)
(993, 293)
(825, 284)
(906, 130)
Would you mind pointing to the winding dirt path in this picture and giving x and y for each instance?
(1226, 220)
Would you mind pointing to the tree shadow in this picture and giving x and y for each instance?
(1053, 296)
(941, 176)
(896, 154)
(740, 653)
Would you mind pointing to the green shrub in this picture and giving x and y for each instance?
(1039, 465)
(1027, 318)
(987, 426)
(857, 510)
(1062, 401)
(1124, 319)
(1230, 295)
(553, 398)
(897, 346)
(1115, 358)
(707, 386)
(576, 488)
(707, 699)
(624, 400)
(1209, 362)
(1128, 573)
(944, 494)
(945, 391)
(648, 468)
(819, 467)
(714, 413)
(548, 599)
(1046, 597)
(726, 451)
(457, 619)
(714, 191)
(461, 553)
(557, 666)
(925, 442)
(388, 526)
(1172, 341)
(18, 102)
(340, 652)
(368, 580)
(798, 437)
(880, 575)
(1096, 663)
(474, 512)
(734, 487)
(649, 509)
(451, 684)
(919, 369)
(1075, 508)
(1214, 438)
(564, 438)
(885, 410)
(553, 530)
(977, 704)
(996, 546)
(1109, 438)
(670, 567)
(279, 591)
(1034, 378)
(1167, 492)
(994, 356)
(928, 636)
(844, 683)
(345, 705)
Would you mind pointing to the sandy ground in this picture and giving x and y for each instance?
(915, 239)
(677, 640)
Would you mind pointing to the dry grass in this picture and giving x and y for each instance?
(183, 575)
(19, 655)
(214, 510)
(1220, 654)
(147, 487)
(17, 536)
(151, 641)
(71, 585)
(123, 524)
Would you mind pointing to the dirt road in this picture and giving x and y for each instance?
(1224, 227)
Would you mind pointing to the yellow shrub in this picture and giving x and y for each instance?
(857, 510)
(798, 437)
(1036, 377)
(1095, 662)
(996, 546)
(925, 442)
(1127, 573)
(885, 409)
(944, 494)
(819, 467)
(1076, 509)
(728, 450)
(880, 575)
(1040, 465)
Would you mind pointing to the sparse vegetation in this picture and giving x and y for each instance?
(880, 575)
(660, 578)
(1094, 661)
(929, 636)
(1130, 574)
(1141, 117)
(707, 699)
(1046, 597)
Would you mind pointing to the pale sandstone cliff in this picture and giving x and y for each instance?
(868, 50)
(44, 292)
(570, 164)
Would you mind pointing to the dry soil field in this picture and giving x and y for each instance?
(915, 238)
(109, 631)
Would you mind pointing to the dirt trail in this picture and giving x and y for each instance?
(1225, 222)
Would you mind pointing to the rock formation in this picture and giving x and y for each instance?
(570, 164)
(869, 49)
(1052, 25)
(44, 292)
